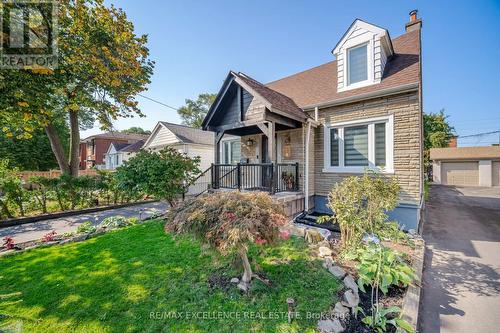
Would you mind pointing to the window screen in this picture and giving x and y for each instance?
(334, 147)
(380, 144)
(358, 66)
(356, 146)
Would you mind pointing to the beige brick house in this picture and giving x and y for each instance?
(310, 130)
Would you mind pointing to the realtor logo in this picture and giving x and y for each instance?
(28, 34)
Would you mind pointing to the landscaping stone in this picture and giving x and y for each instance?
(324, 251)
(327, 263)
(350, 299)
(350, 283)
(337, 271)
(340, 311)
(235, 280)
(330, 326)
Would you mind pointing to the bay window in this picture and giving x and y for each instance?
(358, 145)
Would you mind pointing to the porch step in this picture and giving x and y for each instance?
(312, 219)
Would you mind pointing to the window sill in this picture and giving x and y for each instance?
(356, 170)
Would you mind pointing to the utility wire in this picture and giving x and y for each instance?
(153, 100)
(479, 134)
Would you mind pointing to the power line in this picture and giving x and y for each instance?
(161, 103)
(479, 134)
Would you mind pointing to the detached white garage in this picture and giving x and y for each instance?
(467, 166)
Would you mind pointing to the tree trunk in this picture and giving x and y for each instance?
(57, 148)
(247, 274)
(74, 147)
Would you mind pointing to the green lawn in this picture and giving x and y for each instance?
(114, 282)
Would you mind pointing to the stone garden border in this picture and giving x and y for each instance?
(349, 295)
(43, 217)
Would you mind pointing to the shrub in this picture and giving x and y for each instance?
(8, 242)
(85, 228)
(114, 222)
(162, 174)
(381, 267)
(360, 205)
(49, 237)
(11, 189)
(229, 222)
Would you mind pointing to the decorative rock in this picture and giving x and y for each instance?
(350, 283)
(337, 271)
(351, 299)
(324, 251)
(330, 326)
(327, 263)
(235, 280)
(340, 311)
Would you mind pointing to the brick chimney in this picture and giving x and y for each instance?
(415, 23)
(452, 143)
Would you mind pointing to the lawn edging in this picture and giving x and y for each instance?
(31, 219)
(411, 300)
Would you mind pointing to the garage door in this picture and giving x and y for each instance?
(495, 167)
(460, 173)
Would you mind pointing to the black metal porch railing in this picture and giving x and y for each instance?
(268, 177)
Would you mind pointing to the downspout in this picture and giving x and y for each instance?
(306, 168)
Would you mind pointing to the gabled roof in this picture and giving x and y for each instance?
(133, 148)
(183, 133)
(383, 33)
(275, 101)
(275, 98)
(318, 86)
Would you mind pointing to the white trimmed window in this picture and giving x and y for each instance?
(231, 151)
(357, 64)
(358, 145)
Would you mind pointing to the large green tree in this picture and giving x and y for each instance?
(437, 133)
(194, 111)
(102, 66)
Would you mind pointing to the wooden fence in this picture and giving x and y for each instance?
(25, 175)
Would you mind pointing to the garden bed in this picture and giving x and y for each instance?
(141, 279)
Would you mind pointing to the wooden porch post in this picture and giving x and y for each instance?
(271, 149)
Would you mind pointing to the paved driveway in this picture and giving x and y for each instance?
(461, 278)
(32, 231)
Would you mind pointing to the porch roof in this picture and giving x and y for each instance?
(272, 106)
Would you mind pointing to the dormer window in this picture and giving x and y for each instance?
(357, 64)
(361, 55)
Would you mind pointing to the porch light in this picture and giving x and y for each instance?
(249, 142)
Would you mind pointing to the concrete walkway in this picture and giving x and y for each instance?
(32, 231)
(461, 278)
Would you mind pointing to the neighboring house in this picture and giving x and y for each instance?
(120, 152)
(94, 147)
(466, 166)
(191, 141)
(308, 131)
